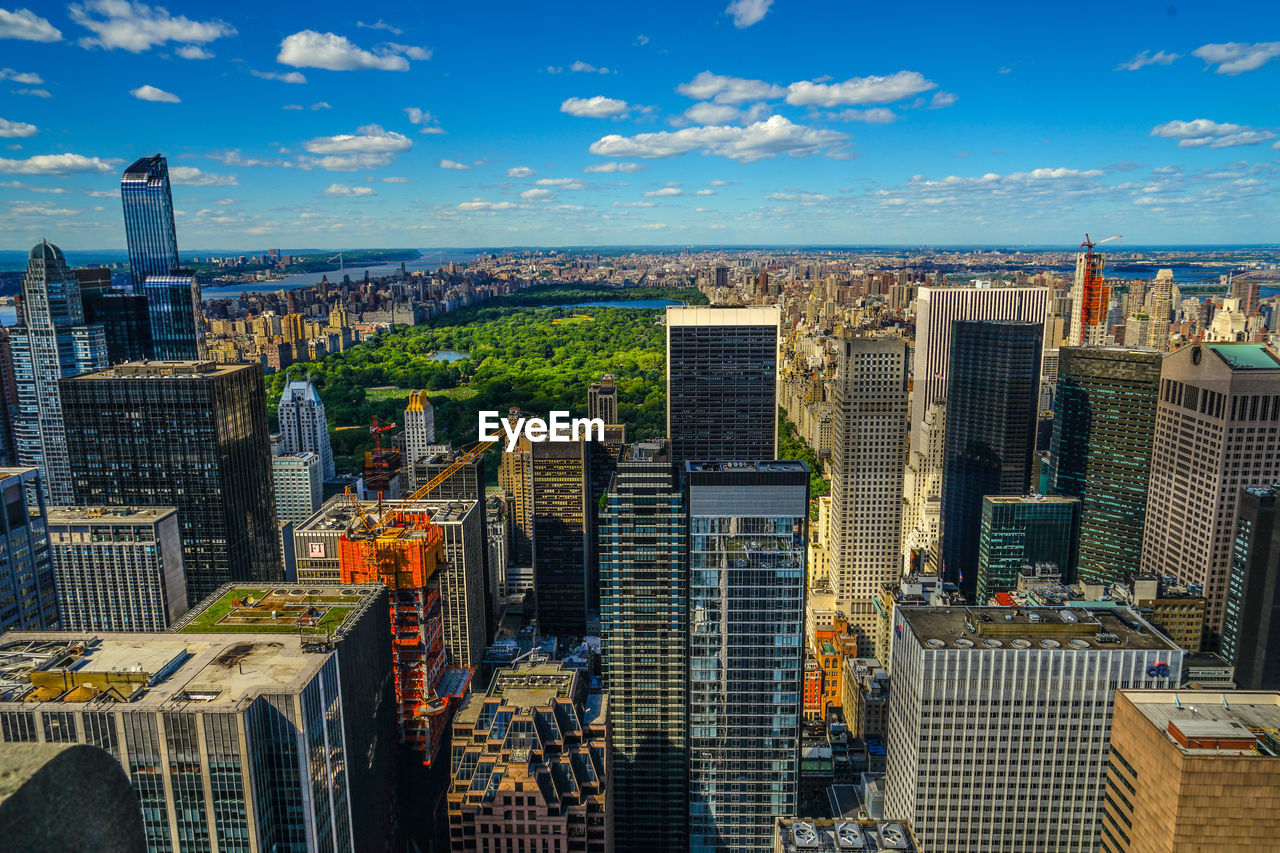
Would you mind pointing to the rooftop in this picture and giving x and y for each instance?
(163, 370)
(1204, 722)
(1019, 628)
(830, 836)
(1244, 356)
(760, 467)
(299, 610)
(109, 514)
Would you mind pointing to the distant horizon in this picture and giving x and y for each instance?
(693, 247)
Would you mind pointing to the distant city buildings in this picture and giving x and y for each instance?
(303, 428)
(117, 568)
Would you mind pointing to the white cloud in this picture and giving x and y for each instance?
(19, 185)
(454, 164)
(641, 40)
(348, 191)
(1142, 60)
(369, 139)
(426, 121)
(768, 138)
(721, 183)
(588, 68)
(189, 176)
(151, 93)
(27, 25)
(1238, 57)
(380, 25)
(137, 27)
(803, 198)
(871, 115)
(282, 76)
(20, 77)
(537, 194)
(519, 172)
(102, 193)
(748, 12)
(665, 192)
(20, 129)
(57, 164)
(320, 105)
(310, 49)
(561, 183)
(595, 107)
(942, 99)
(705, 192)
(1194, 129)
(35, 93)
(1231, 140)
(395, 180)
(421, 54)
(654, 226)
(859, 90)
(481, 204)
(708, 113)
(728, 90)
(614, 166)
(193, 51)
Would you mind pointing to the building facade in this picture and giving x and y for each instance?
(149, 229)
(1019, 707)
(1193, 770)
(1251, 624)
(1024, 531)
(117, 568)
(192, 435)
(871, 435)
(747, 531)
(1217, 433)
(419, 435)
(602, 400)
(722, 383)
(1103, 426)
(559, 476)
(303, 428)
(299, 485)
(176, 312)
(992, 408)
(644, 620)
(50, 342)
(28, 597)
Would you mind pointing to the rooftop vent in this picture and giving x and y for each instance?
(893, 838)
(804, 834)
(848, 837)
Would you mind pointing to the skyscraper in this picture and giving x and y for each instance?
(299, 486)
(602, 399)
(419, 434)
(1018, 706)
(865, 523)
(122, 315)
(177, 316)
(28, 600)
(644, 622)
(1251, 625)
(117, 568)
(560, 474)
(192, 435)
(1103, 427)
(991, 431)
(148, 220)
(51, 342)
(1217, 432)
(303, 428)
(1024, 531)
(1090, 300)
(747, 536)
(722, 378)
(1161, 310)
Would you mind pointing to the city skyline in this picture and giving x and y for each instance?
(666, 126)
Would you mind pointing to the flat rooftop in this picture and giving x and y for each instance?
(1211, 714)
(1245, 356)
(1049, 628)
(163, 370)
(705, 315)
(151, 671)
(838, 836)
(109, 514)
(338, 513)
(759, 467)
(299, 610)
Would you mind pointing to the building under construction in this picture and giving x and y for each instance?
(404, 550)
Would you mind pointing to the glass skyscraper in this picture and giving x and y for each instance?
(148, 219)
(1251, 628)
(51, 341)
(1021, 531)
(28, 599)
(1104, 421)
(177, 318)
(644, 585)
(747, 537)
(992, 407)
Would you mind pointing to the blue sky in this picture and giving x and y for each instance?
(575, 123)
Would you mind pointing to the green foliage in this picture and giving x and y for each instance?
(792, 446)
(517, 356)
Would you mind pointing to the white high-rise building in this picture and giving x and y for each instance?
(303, 428)
(1000, 718)
(1217, 432)
(865, 522)
(419, 434)
(117, 568)
(922, 494)
(299, 486)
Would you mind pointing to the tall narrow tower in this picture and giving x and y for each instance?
(1090, 297)
(419, 433)
(303, 427)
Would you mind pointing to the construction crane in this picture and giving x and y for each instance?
(377, 429)
(372, 523)
(1088, 244)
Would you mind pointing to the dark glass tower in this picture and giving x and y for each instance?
(1101, 453)
(1017, 532)
(1251, 629)
(122, 315)
(148, 219)
(560, 482)
(50, 342)
(186, 434)
(722, 383)
(748, 528)
(644, 585)
(177, 319)
(992, 406)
